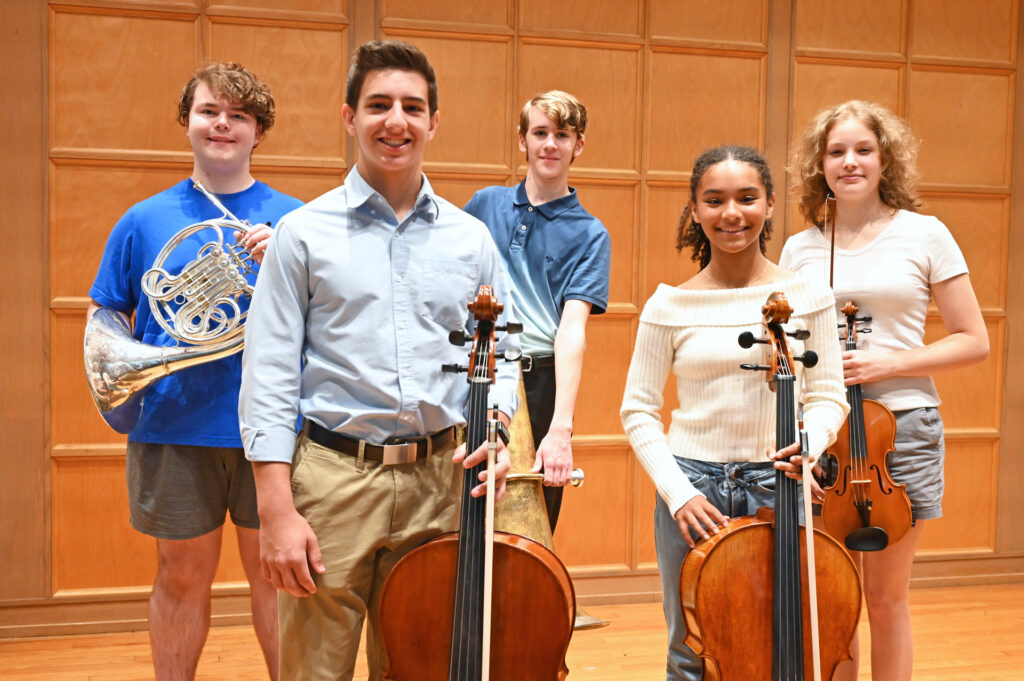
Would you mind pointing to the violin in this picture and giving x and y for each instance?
(864, 507)
(748, 610)
(433, 607)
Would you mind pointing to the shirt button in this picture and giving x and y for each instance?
(530, 209)
(398, 277)
(522, 227)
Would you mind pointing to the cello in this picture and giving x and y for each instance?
(864, 506)
(747, 609)
(432, 607)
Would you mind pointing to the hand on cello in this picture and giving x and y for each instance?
(502, 463)
(793, 467)
(699, 515)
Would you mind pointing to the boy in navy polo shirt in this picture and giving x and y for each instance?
(557, 256)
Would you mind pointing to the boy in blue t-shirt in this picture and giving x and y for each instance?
(185, 464)
(558, 257)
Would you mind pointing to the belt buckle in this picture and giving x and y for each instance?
(526, 362)
(404, 452)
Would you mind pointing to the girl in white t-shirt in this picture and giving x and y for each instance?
(711, 464)
(891, 262)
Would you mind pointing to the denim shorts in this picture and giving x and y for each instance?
(184, 491)
(918, 459)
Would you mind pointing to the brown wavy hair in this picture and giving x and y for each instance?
(235, 83)
(689, 232)
(897, 146)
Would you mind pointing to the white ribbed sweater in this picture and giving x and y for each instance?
(725, 414)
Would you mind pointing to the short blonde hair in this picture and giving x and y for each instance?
(561, 107)
(897, 148)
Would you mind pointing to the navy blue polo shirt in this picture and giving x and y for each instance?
(553, 252)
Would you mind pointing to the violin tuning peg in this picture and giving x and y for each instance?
(453, 369)
(799, 334)
(458, 337)
(865, 330)
(755, 367)
(809, 358)
(865, 319)
(747, 339)
(511, 327)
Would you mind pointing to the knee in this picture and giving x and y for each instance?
(886, 603)
(183, 579)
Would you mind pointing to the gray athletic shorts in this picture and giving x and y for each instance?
(184, 491)
(919, 458)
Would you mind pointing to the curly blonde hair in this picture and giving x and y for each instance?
(897, 147)
(235, 83)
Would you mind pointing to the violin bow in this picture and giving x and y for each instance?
(492, 452)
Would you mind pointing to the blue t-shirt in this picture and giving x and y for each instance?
(198, 405)
(553, 252)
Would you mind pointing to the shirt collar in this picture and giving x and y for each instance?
(358, 192)
(551, 209)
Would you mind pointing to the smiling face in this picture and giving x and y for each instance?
(732, 206)
(549, 149)
(221, 133)
(392, 125)
(852, 163)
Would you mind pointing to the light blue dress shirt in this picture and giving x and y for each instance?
(350, 319)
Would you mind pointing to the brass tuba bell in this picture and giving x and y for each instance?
(199, 306)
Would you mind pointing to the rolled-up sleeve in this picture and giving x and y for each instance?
(268, 403)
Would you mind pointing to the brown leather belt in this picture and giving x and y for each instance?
(400, 450)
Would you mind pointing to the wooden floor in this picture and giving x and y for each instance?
(962, 634)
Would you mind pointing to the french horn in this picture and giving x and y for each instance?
(200, 306)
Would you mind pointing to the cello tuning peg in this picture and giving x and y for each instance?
(454, 369)
(755, 367)
(511, 327)
(458, 337)
(747, 339)
(799, 334)
(809, 358)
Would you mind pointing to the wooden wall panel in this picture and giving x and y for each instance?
(824, 83)
(850, 25)
(950, 151)
(304, 184)
(610, 17)
(662, 262)
(303, 69)
(606, 78)
(336, 8)
(617, 207)
(459, 189)
(715, 21)
(684, 120)
(89, 197)
(116, 78)
(981, 226)
(968, 519)
(610, 339)
(971, 396)
(495, 13)
(472, 74)
(984, 31)
(599, 503)
(644, 498)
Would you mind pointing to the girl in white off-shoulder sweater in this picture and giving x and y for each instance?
(712, 464)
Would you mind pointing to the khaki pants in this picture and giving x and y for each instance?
(366, 517)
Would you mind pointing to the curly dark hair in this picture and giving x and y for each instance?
(690, 232)
(235, 83)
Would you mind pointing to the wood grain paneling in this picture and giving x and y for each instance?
(304, 184)
(663, 264)
(610, 345)
(88, 200)
(617, 207)
(986, 31)
(473, 98)
(981, 226)
(952, 150)
(644, 495)
(90, 492)
(599, 503)
(116, 79)
(970, 396)
(697, 104)
(969, 504)
(494, 12)
(743, 22)
(613, 17)
(305, 69)
(850, 25)
(606, 79)
(337, 8)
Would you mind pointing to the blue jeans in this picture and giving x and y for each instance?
(735, 489)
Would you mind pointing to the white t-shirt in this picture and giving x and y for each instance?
(889, 279)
